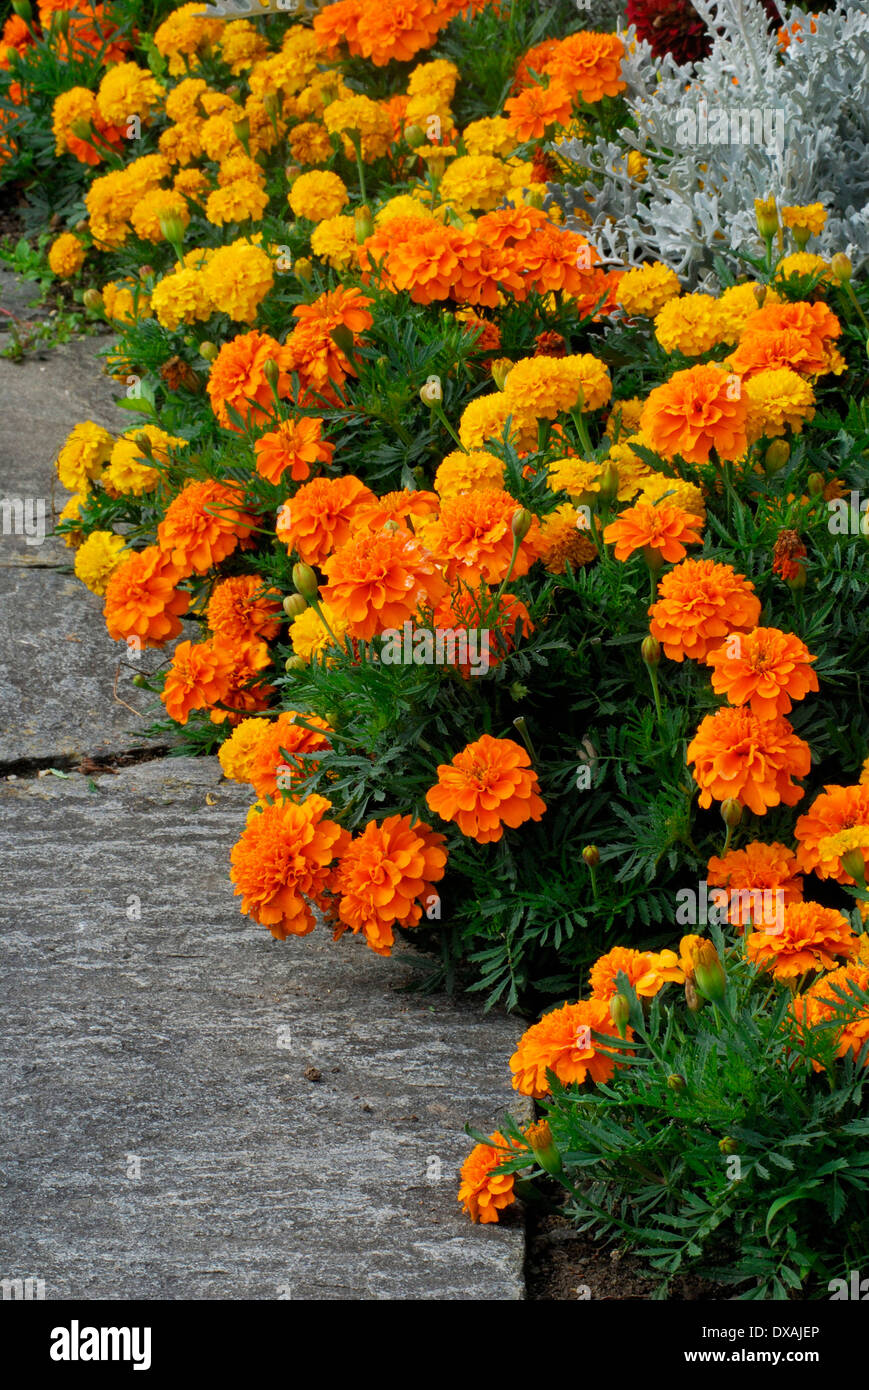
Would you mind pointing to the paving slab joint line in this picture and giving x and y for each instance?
(74, 762)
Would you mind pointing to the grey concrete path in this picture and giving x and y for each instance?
(189, 1108)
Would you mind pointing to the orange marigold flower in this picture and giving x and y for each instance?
(800, 336)
(590, 63)
(765, 669)
(142, 602)
(296, 445)
(473, 537)
(278, 763)
(384, 877)
(696, 411)
(488, 785)
(379, 581)
(311, 349)
(758, 869)
(740, 757)
(246, 691)
(322, 516)
(812, 937)
(281, 864)
(647, 971)
(237, 379)
(396, 32)
(426, 263)
(483, 1192)
(835, 810)
(197, 679)
(397, 506)
(699, 603)
(562, 1043)
(823, 1004)
(241, 609)
(663, 527)
(533, 110)
(203, 524)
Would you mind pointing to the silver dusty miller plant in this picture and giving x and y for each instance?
(793, 124)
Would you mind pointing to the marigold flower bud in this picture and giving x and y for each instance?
(140, 682)
(305, 581)
(650, 648)
(501, 368)
(172, 227)
(731, 812)
(304, 270)
(539, 1136)
(432, 393)
(22, 8)
(591, 855)
(609, 482)
(144, 445)
(363, 223)
(760, 295)
(294, 604)
(728, 1145)
(709, 976)
(620, 1012)
(343, 338)
(242, 129)
(271, 105)
(816, 484)
(676, 1082)
(271, 372)
(766, 212)
(841, 267)
(82, 226)
(293, 663)
(692, 998)
(208, 350)
(92, 299)
(521, 523)
(776, 456)
(797, 581)
(414, 136)
(853, 863)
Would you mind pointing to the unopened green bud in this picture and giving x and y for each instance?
(363, 223)
(776, 456)
(620, 1012)
(208, 350)
(92, 299)
(853, 863)
(591, 855)
(415, 136)
(539, 1136)
(305, 581)
(728, 1145)
(676, 1082)
(816, 484)
(294, 604)
(841, 267)
(521, 523)
(293, 663)
(271, 372)
(650, 648)
(731, 812)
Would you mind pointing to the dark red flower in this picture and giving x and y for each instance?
(674, 26)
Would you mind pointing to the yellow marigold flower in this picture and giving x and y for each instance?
(184, 34)
(310, 143)
(809, 218)
(128, 472)
(218, 135)
(82, 458)
(66, 255)
(437, 78)
(72, 512)
(153, 208)
(485, 418)
(238, 754)
(334, 240)
(308, 635)
(240, 201)
(360, 113)
(564, 540)
(75, 107)
(318, 195)
(688, 496)
(542, 387)
(182, 143)
(237, 278)
(471, 472)
(688, 325)
(647, 289)
(241, 45)
(402, 205)
(638, 166)
(183, 103)
(181, 298)
(127, 90)
(475, 181)
(802, 264)
(490, 135)
(630, 468)
(778, 399)
(579, 478)
(624, 418)
(191, 184)
(126, 303)
(97, 558)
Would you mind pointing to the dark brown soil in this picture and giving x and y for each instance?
(563, 1266)
(10, 217)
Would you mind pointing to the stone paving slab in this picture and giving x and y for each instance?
(42, 398)
(57, 673)
(181, 1037)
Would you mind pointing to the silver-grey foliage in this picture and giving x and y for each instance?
(794, 124)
